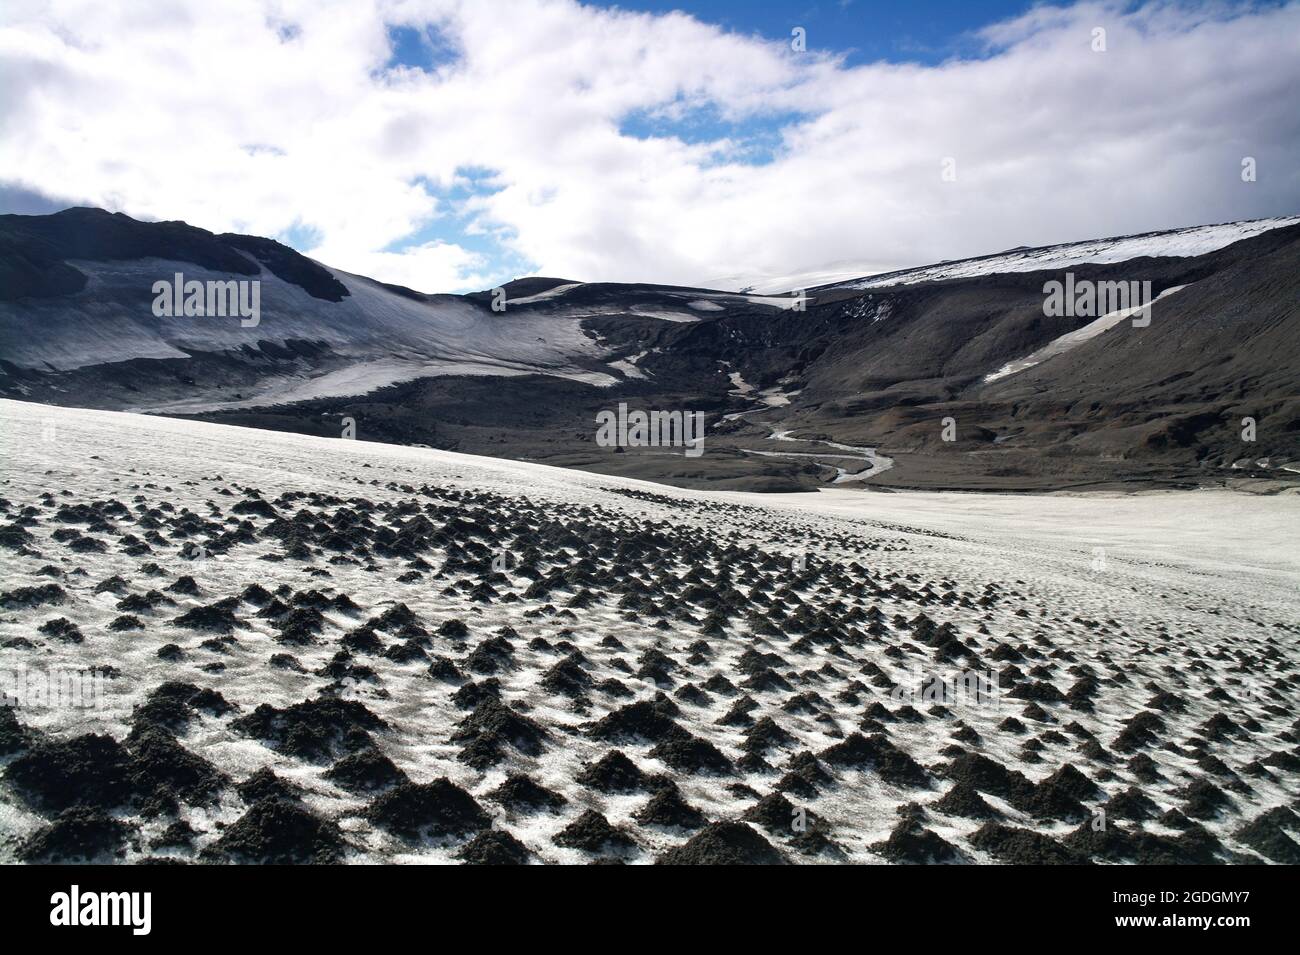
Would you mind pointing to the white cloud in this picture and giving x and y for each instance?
(430, 265)
(262, 116)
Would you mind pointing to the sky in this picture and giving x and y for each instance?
(450, 145)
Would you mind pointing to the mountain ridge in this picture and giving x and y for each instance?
(874, 363)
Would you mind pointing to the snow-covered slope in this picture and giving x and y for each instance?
(1196, 240)
(384, 653)
(784, 281)
(112, 321)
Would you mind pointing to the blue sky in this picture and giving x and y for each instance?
(922, 31)
(863, 31)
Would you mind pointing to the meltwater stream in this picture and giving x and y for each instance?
(875, 462)
(775, 398)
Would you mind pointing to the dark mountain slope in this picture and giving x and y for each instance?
(1220, 350)
(43, 246)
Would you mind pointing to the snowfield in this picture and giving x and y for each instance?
(385, 336)
(336, 651)
(1196, 240)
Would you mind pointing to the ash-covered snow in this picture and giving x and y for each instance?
(664, 658)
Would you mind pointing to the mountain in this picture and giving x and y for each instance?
(945, 376)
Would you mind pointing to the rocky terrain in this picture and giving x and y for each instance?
(318, 650)
(950, 375)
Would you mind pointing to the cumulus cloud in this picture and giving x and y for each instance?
(513, 148)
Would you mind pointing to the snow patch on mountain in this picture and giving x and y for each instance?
(1060, 346)
(388, 337)
(1193, 241)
